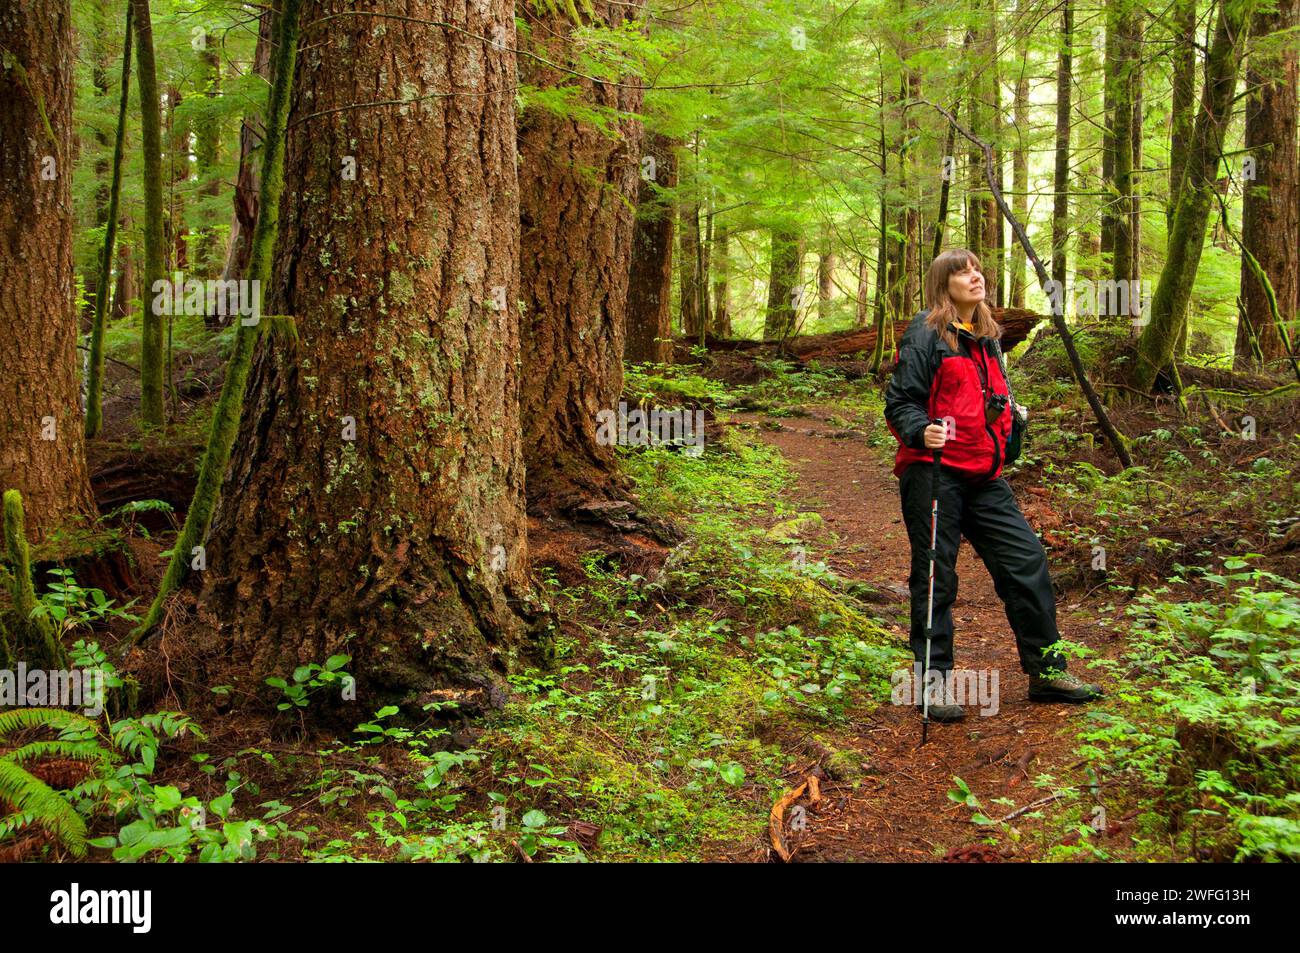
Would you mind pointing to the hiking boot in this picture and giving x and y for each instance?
(947, 710)
(1061, 687)
(945, 713)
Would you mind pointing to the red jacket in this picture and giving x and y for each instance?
(931, 381)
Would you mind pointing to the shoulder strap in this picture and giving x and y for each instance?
(1002, 363)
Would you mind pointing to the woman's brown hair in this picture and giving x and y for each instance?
(942, 311)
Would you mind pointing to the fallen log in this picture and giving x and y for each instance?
(1016, 325)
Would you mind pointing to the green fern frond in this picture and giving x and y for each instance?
(29, 795)
(72, 750)
(56, 719)
(13, 823)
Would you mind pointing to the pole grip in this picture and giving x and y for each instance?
(937, 421)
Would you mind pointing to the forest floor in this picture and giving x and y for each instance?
(901, 810)
(726, 695)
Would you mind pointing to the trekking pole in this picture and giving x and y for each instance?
(929, 610)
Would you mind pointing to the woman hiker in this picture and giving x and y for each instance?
(949, 369)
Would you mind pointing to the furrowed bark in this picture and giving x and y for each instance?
(41, 428)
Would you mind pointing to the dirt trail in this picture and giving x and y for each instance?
(900, 811)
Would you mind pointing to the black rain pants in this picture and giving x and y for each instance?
(985, 512)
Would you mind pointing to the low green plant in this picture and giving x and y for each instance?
(1206, 718)
(33, 801)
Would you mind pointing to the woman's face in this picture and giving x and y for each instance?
(966, 286)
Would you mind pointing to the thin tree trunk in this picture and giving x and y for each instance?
(1136, 130)
(1119, 76)
(784, 281)
(95, 376)
(688, 269)
(1182, 109)
(721, 293)
(864, 298)
(1020, 170)
(125, 288)
(826, 261)
(1155, 347)
(226, 419)
(248, 182)
(1061, 176)
(151, 344)
(208, 136)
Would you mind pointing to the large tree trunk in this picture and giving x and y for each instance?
(649, 287)
(1186, 241)
(41, 444)
(577, 191)
(374, 502)
(1269, 214)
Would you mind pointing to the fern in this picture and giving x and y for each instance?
(32, 796)
(33, 801)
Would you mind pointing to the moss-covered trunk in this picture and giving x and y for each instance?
(1182, 115)
(577, 194)
(374, 500)
(41, 443)
(151, 327)
(1169, 304)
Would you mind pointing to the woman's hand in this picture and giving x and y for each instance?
(936, 435)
